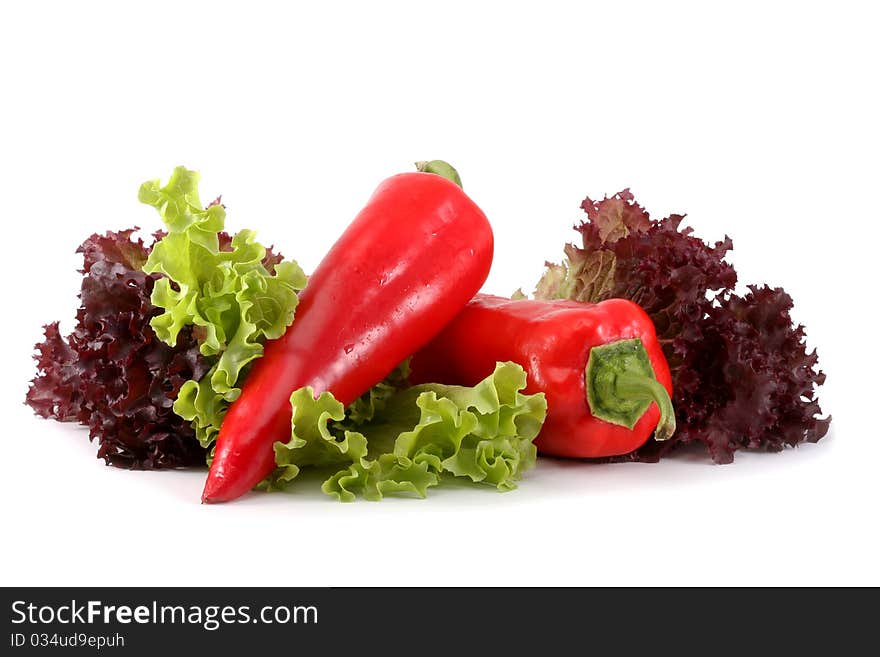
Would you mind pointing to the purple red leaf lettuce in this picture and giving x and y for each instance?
(111, 373)
(742, 376)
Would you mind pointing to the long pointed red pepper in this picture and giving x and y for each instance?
(405, 266)
(600, 365)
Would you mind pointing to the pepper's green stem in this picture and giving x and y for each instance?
(441, 168)
(630, 386)
(621, 385)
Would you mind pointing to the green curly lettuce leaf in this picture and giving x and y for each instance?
(416, 436)
(228, 293)
(374, 400)
(313, 441)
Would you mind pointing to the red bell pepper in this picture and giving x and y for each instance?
(410, 260)
(601, 367)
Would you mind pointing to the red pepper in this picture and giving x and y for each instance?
(409, 261)
(600, 365)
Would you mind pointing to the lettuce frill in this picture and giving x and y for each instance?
(234, 294)
(416, 436)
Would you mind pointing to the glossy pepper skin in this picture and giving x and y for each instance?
(410, 260)
(555, 341)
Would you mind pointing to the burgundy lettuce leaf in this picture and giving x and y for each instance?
(741, 373)
(768, 379)
(616, 216)
(111, 373)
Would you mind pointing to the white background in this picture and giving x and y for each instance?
(759, 121)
